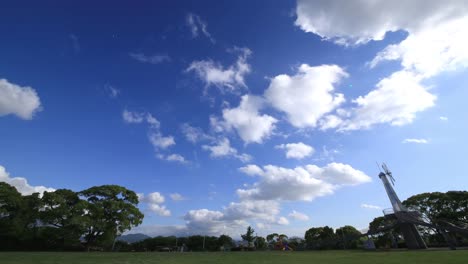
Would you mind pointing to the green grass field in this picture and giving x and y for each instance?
(426, 257)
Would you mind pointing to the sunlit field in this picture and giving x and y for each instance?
(427, 257)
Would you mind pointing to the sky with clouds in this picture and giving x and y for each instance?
(224, 114)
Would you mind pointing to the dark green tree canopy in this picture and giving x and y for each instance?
(249, 235)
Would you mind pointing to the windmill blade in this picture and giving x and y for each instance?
(388, 173)
(385, 168)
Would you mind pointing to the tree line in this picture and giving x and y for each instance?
(94, 218)
(66, 220)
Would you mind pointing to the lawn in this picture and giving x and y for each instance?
(361, 257)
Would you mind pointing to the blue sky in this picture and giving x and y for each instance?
(224, 114)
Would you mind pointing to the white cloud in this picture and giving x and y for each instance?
(176, 157)
(298, 216)
(133, 117)
(204, 221)
(18, 100)
(153, 198)
(151, 59)
(396, 100)
(435, 49)
(160, 210)
(234, 218)
(246, 120)
(355, 22)
(111, 91)
(140, 117)
(159, 141)
(247, 209)
(296, 150)
(416, 140)
(177, 197)
(230, 78)
(308, 95)
(197, 26)
(303, 183)
(251, 170)
(370, 206)
(283, 221)
(21, 184)
(443, 118)
(436, 41)
(154, 202)
(222, 148)
(194, 134)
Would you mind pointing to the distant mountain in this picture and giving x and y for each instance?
(132, 238)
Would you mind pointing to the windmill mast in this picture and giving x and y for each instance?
(386, 177)
(412, 237)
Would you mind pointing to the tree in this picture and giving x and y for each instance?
(260, 242)
(272, 240)
(248, 236)
(225, 241)
(440, 208)
(110, 210)
(384, 236)
(450, 206)
(11, 203)
(348, 236)
(63, 212)
(320, 238)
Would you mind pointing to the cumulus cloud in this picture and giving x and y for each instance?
(250, 125)
(206, 221)
(198, 26)
(229, 78)
(248, 209)
(159, 141)
(443, 118)
(370, 206)
(234, 217)
(21, 184)
(194, 134)
(222, 148)
(160, 210)
(308, 95)
(177, 197)
(308, 182)
(298, 216)
(396, 100)
(283, 221)
(416, 140)
(296, 150)
(154, 202)
(155, 136)
(176, 157)
(357, 22)
(21, 101)
(151, 59)
(251, 170)
(435, 43)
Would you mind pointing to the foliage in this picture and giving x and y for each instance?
(348, 237)
(248, 236)
(59, 219)
(320, 238)
(110, 211)
(440, 208)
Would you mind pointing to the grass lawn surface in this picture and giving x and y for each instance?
(308, 257)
